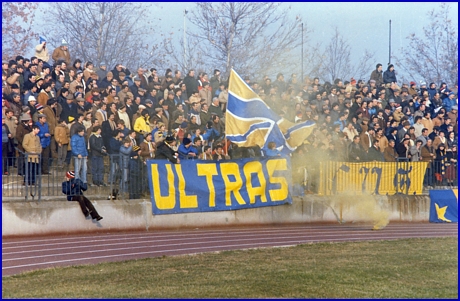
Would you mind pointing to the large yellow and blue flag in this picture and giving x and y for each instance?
(249, 121)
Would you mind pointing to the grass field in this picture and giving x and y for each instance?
(409, 268)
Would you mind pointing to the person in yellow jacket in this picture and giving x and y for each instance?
(142, 125)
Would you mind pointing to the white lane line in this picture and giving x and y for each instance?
(234, 230)
(183, 243)
(207, 235)
(252, 245)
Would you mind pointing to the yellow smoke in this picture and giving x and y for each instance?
(361, 209)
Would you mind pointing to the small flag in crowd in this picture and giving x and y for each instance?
(249, 121)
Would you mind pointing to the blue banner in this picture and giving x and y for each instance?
(443, 207)
(203, 186)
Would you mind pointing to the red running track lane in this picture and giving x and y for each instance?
(27, 254)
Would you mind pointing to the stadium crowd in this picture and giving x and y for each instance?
(83, 115)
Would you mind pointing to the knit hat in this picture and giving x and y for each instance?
(413, 83)
(31, 98)
(64, 43)
(186, 141)
(136, 148)
(102, 64)
(70, 174)
(38, 107)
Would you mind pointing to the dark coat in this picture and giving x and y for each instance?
(73, 187)
(375, 154)
(165, 152)
(191, 83)
(389, 77)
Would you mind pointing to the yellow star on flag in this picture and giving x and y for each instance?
(441, 212)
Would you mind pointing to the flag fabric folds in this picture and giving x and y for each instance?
(444, 206)
(249, 121)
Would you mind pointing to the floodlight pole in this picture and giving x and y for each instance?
(389, 46)
(185, 41)
(302, 54)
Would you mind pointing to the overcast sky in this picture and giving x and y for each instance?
(363, 25)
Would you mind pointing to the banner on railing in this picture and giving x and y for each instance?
(201, 186)
(379, 178)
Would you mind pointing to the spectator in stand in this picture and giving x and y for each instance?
(390, 154)
(45, 140)
(165, 150)
(79, 154)
(389, 75)
(219, 153)
(147, 148)
(102, 72)
(440, 161)
(136, 173)
(62, 53)
(186, 150)
(62, 137)
(33, 149)
(98, 150)
(356, 152)
(377, 75)
(24, 128)
(191, 82)
(41, 51)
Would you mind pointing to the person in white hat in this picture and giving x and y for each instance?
(62, 53)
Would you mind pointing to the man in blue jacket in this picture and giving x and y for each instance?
(74, 188)
(45, 141)
(186, 150)
(79, 153)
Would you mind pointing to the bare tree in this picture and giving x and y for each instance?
(194, 58)
(113, 32)
(17, 32)
(251, 37)
(335, 61)
(433, 56)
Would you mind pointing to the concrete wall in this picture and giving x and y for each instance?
(53, 217)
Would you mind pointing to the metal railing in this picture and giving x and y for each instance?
(132, 182)
(21, 179)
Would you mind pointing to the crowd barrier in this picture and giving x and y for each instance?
(378, 178)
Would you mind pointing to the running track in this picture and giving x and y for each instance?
(26, 254)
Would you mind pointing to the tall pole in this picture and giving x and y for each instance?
(185, 41)
(99, 50)
(389, 46)
(302, 54)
